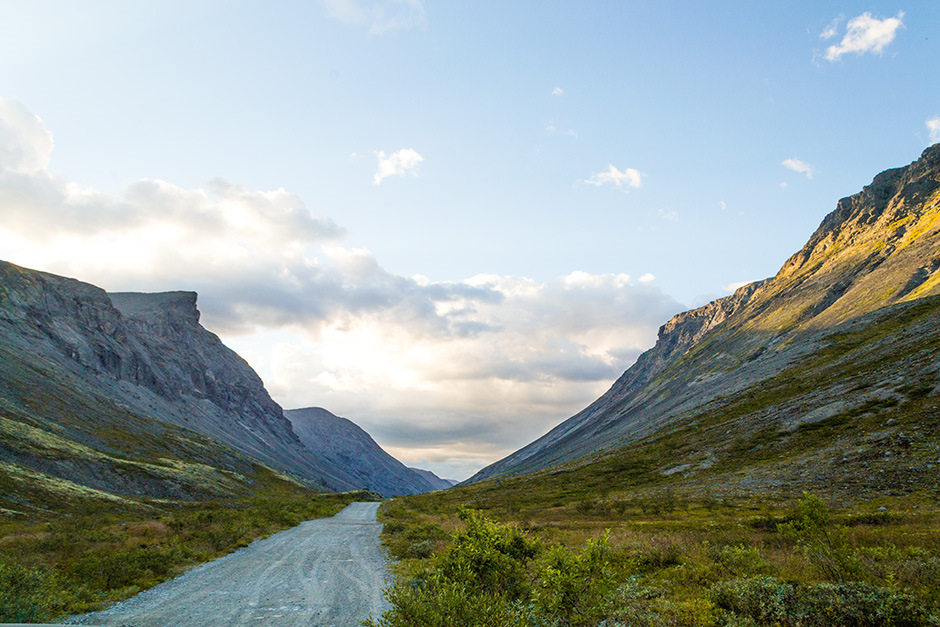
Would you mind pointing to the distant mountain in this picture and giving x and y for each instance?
(848, 329)
(353, 453)
(436, 482)
(129, 394)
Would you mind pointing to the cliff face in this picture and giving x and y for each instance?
(876, 253)
(146, 358)
(350, 450)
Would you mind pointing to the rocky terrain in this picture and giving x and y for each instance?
(356, 456)
(844, 337)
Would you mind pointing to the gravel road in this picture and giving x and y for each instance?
(327, 572)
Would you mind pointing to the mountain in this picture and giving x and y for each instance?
(845, 336)
(128, 394)
(436, 482)
(355, 455)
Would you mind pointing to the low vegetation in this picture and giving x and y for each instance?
(80, 558)
(687, 562)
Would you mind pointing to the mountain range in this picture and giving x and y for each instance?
(841, 342)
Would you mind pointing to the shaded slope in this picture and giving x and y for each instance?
(353, 452)
(878, 251)
(140, 403)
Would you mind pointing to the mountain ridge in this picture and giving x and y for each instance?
(876, 250)
(345, 445)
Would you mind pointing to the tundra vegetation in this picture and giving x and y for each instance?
(78, 557)
(660, 562)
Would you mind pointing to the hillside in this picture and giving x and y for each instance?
(128, 395)
(353, 452)
(842, 340)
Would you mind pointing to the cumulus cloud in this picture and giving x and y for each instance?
(798, 166)
(558, 91)
(396, 164)
(617, 178)
(467, 370)
(378, 16)
(933, 129)
(864, 34)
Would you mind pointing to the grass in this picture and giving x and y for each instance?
(685, 561)
(89, 552)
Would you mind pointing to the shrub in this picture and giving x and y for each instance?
(26, 595)
(768, 601)
(575, 588)
(826, 546)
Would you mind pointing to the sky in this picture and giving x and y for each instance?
(454, 223)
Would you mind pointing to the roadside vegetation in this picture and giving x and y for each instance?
(667, 561)
(79, 558)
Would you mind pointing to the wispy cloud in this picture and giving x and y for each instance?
(378, 16)
(620, 179)
(933, 129)
(558, 91)
(551, 128)
(798, 166)
(832, 29)
(396, 164)
(865, 34)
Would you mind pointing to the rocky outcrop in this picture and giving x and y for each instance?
(350, 450)
(878, 250)
(148, 355)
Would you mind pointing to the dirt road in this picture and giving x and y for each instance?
(327, 572)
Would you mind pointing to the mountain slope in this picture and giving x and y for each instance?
(354, 454)
(128, 394)
(839, 317)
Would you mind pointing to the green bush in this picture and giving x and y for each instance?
(825, 545)
(495, 575)
(765, 601)
(575, 588)
(26, 595)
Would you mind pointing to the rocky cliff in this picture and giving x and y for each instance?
(114, 372)
(871, 260)
(354, 454)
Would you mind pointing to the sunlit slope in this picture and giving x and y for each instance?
(870, 261)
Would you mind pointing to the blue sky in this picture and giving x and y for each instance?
(452, 222)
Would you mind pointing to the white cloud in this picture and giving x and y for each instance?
(798, 166)
(723, 205)
(483, 364)
(866, 34)
(832, 29)
(613, 176)
(558, 91)
(378, 16)
(647, 278)
(668, 216)
(396, 164)
(25, 144)
(933, 128)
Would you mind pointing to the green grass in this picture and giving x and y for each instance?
(697, 561)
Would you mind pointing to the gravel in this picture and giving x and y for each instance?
(327, 572)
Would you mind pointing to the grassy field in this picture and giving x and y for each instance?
(80, 556)
(679, 561)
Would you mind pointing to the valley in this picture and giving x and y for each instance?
(782, 442)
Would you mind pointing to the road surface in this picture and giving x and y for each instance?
(327, 572)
